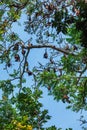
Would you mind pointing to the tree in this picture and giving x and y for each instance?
(58, 27)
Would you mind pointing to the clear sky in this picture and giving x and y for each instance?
(60, 116)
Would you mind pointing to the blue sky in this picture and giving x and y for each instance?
(60, 116)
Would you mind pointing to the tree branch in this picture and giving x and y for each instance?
(30, 46)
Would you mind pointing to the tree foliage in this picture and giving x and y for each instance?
(59, 28)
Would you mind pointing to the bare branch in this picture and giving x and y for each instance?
(49, 46)
(22, 73)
